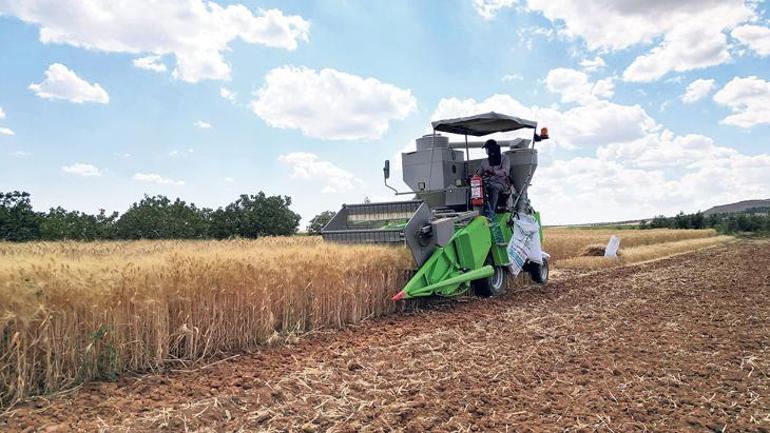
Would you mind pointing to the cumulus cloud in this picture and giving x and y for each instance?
(202, 125)
(574, 86)
(512, 77)
(305, 165)
(3, 130)
(489, 8)
(62, 83)
(598, 189)
(150, 63)
(195, 32)
(683, 49)
(585, 125)
(689, 34)
(756, 37)
(330, 104)
(697, 90)
(748, 98)
(156, 178)
(226, 93)
(180, 153)
(592, 65)
(659, 173)
(82, 169)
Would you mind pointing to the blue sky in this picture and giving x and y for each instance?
(652, 109)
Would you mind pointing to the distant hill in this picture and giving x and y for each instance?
(741, 206)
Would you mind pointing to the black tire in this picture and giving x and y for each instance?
(494, 285)
(539, 273)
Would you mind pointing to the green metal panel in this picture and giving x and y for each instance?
(473, 243)
(451, 268)
(540, 225)
(499, 250)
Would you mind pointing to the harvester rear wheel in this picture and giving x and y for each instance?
(494, 285)
(539, 273)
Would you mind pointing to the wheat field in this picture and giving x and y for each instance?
(71, 312)
(562, 243)
(75, 311)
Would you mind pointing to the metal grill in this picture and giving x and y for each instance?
(371, 222)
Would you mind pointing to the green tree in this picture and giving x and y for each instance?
(60, 224)
(157, 217)
(252, 216)
(18, 222)
(319, 221)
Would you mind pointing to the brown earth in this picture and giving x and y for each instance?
(679, 344)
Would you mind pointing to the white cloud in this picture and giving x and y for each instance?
(62, 83)
(488, 8)
(330, 104)
(595, 189)
(180, 153)
(748, 98)
(5, 131)
(512, 77)
(526, 35)
(586, 125)
(82, 169)
(683, 49)
(150, 63)
(691, 32)
(592, 65)
(697, 90)
(226, 93)
(756, 37)
(229, 179)
(156, 178)
(196, 32)
(202, 125)
(621, 24)
(20, 154)
(309, 166)
(574, 86)
(659, 173)
(664, 149)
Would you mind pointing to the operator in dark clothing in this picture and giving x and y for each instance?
(496, 169)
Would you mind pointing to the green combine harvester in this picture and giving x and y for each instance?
(454, 247)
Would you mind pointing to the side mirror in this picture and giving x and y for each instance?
(386, 169)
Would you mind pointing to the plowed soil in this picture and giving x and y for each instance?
(680, 344)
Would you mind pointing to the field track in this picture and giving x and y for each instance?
(679, 344)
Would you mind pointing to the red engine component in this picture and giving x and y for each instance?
(477, 190)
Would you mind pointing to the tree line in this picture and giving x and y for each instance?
(752, 220)
(153, 217)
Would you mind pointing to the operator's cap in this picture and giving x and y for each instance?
(490, 143)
